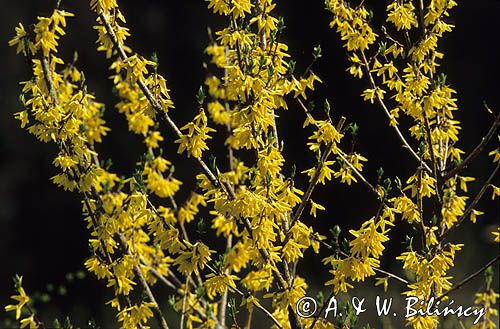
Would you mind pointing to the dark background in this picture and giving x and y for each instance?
(42, 234)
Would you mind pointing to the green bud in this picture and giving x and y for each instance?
(200, 97)
(317, 52)
(326, 107)
(154, 57)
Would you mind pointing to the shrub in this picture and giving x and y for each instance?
(139, 232)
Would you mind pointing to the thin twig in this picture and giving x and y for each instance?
(248, 325)
(433, 155)
(48, 79)
(478, 149)
(403, 140)
(359, 175)
(145, 286)
(469, 278)
(184, 301)
(233, 316)
(156, 310)
(242, 294)
(474, 202)
(322, 309)
(317, 173)
(392, 275)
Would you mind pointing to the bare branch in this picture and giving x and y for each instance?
(478, 149)
(469, 278)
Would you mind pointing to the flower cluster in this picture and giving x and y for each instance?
(405, 82)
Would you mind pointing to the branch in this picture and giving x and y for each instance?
(360, 175)
(184, 300)
(156, 310)
(349, 164)
(406, 145)
(474, 202)
(433, 155)
(152, 100)
(469, 278)
(48, 78)
(317, 172)
(322, 309)
(392, 275)
(145, 286)
(479, 148)
(260, 307)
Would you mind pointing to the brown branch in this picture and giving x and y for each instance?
(152, 100)
(344, 254)
(360, 175)
(184, 300)
(317, 172)
(321, 310)
(433, 155)
(145, 286)
(156, 310)
(242, 294)
(403, 140)
(478, 149)
(48, 78)
(469, 278)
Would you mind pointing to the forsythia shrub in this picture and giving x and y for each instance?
(138, 244)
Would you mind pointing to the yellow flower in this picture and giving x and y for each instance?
(368, 241)
(194, 141)
(153, 138)
(29, 322)
(19, 40)
(104, 6)
(22, 300)
(382, 281)
(217, 284)
(495, 154)
(496, 234)
(315, 207)
(194, 259)
(23, 117)
(496, 192)
(474, 214)
(241, 8)
(402, 15)
(220, 7)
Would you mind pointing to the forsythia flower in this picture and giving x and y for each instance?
(217, 284)
(22, 299)
(314, 207)
(19, 39)
(197, 134)
(402, 15)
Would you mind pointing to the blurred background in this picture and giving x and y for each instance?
(42, 234)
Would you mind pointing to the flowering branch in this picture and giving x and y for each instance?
(474, 202)
(403, 140)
